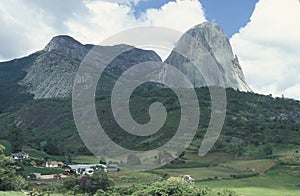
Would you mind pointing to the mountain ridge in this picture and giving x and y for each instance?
(52, 73)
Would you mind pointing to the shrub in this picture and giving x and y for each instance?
(89, 184)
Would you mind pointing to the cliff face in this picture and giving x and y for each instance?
(52, 74)
(203, 54)
(205, 47)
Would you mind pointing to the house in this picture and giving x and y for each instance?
(20, 156)
(86, 169)
(53, 164)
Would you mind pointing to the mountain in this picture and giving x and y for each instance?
(205, 47)
(36, 105)
(52, 74)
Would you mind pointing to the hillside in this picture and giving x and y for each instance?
(253, 122)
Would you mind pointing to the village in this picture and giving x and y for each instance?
(59, 168)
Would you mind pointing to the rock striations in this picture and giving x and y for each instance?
(52, 74)
(204, 47)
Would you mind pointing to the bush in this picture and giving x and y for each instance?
(180, 189)
(89, 184)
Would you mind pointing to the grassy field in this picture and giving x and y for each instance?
(255, 191)
(260, 166)
(280, 180)
(216, 166)
(11, 193)
(200, 173)
(274, 180)
(42, 170)
(126, 177)
(85, 159)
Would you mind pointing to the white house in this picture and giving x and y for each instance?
(87, 169)
(20, 156)
(53, 164)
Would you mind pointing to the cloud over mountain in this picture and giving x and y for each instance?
(29, 25)
(269, 48)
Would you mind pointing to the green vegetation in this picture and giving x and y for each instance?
(254, 191)
(42, 170)
(12, 96)
(9, 180)
(100, 184)
(88, 184)
(278, 179)
(176, 189)
(8, 149)
(253, 126)
(11, 193)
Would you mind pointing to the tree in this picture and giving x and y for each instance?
(51, 147)
(89, 184)
(268, 150)
(17, 139)
(8, 178)
(101, 180)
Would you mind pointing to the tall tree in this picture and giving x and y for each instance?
(8, 178)
(17, 139)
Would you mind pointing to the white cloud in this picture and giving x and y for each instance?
(180, 15)
(22, 29)
(28, 26)
(269, 47)
(108, 18)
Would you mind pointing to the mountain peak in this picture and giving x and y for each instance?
(207, 25)
(68, 45)
(209, 49)
(61, 40)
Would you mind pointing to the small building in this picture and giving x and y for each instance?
(20, 156)
(87, 169)
(54, 164)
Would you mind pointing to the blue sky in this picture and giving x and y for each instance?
(230, 14)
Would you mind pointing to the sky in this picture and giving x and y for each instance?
(265, 34)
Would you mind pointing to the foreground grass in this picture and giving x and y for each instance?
(278, 181)
(254, 191)
(264, 181)
(11, 193)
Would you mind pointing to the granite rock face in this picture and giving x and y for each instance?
(68, 46)
(205, 56)
(52, 74)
